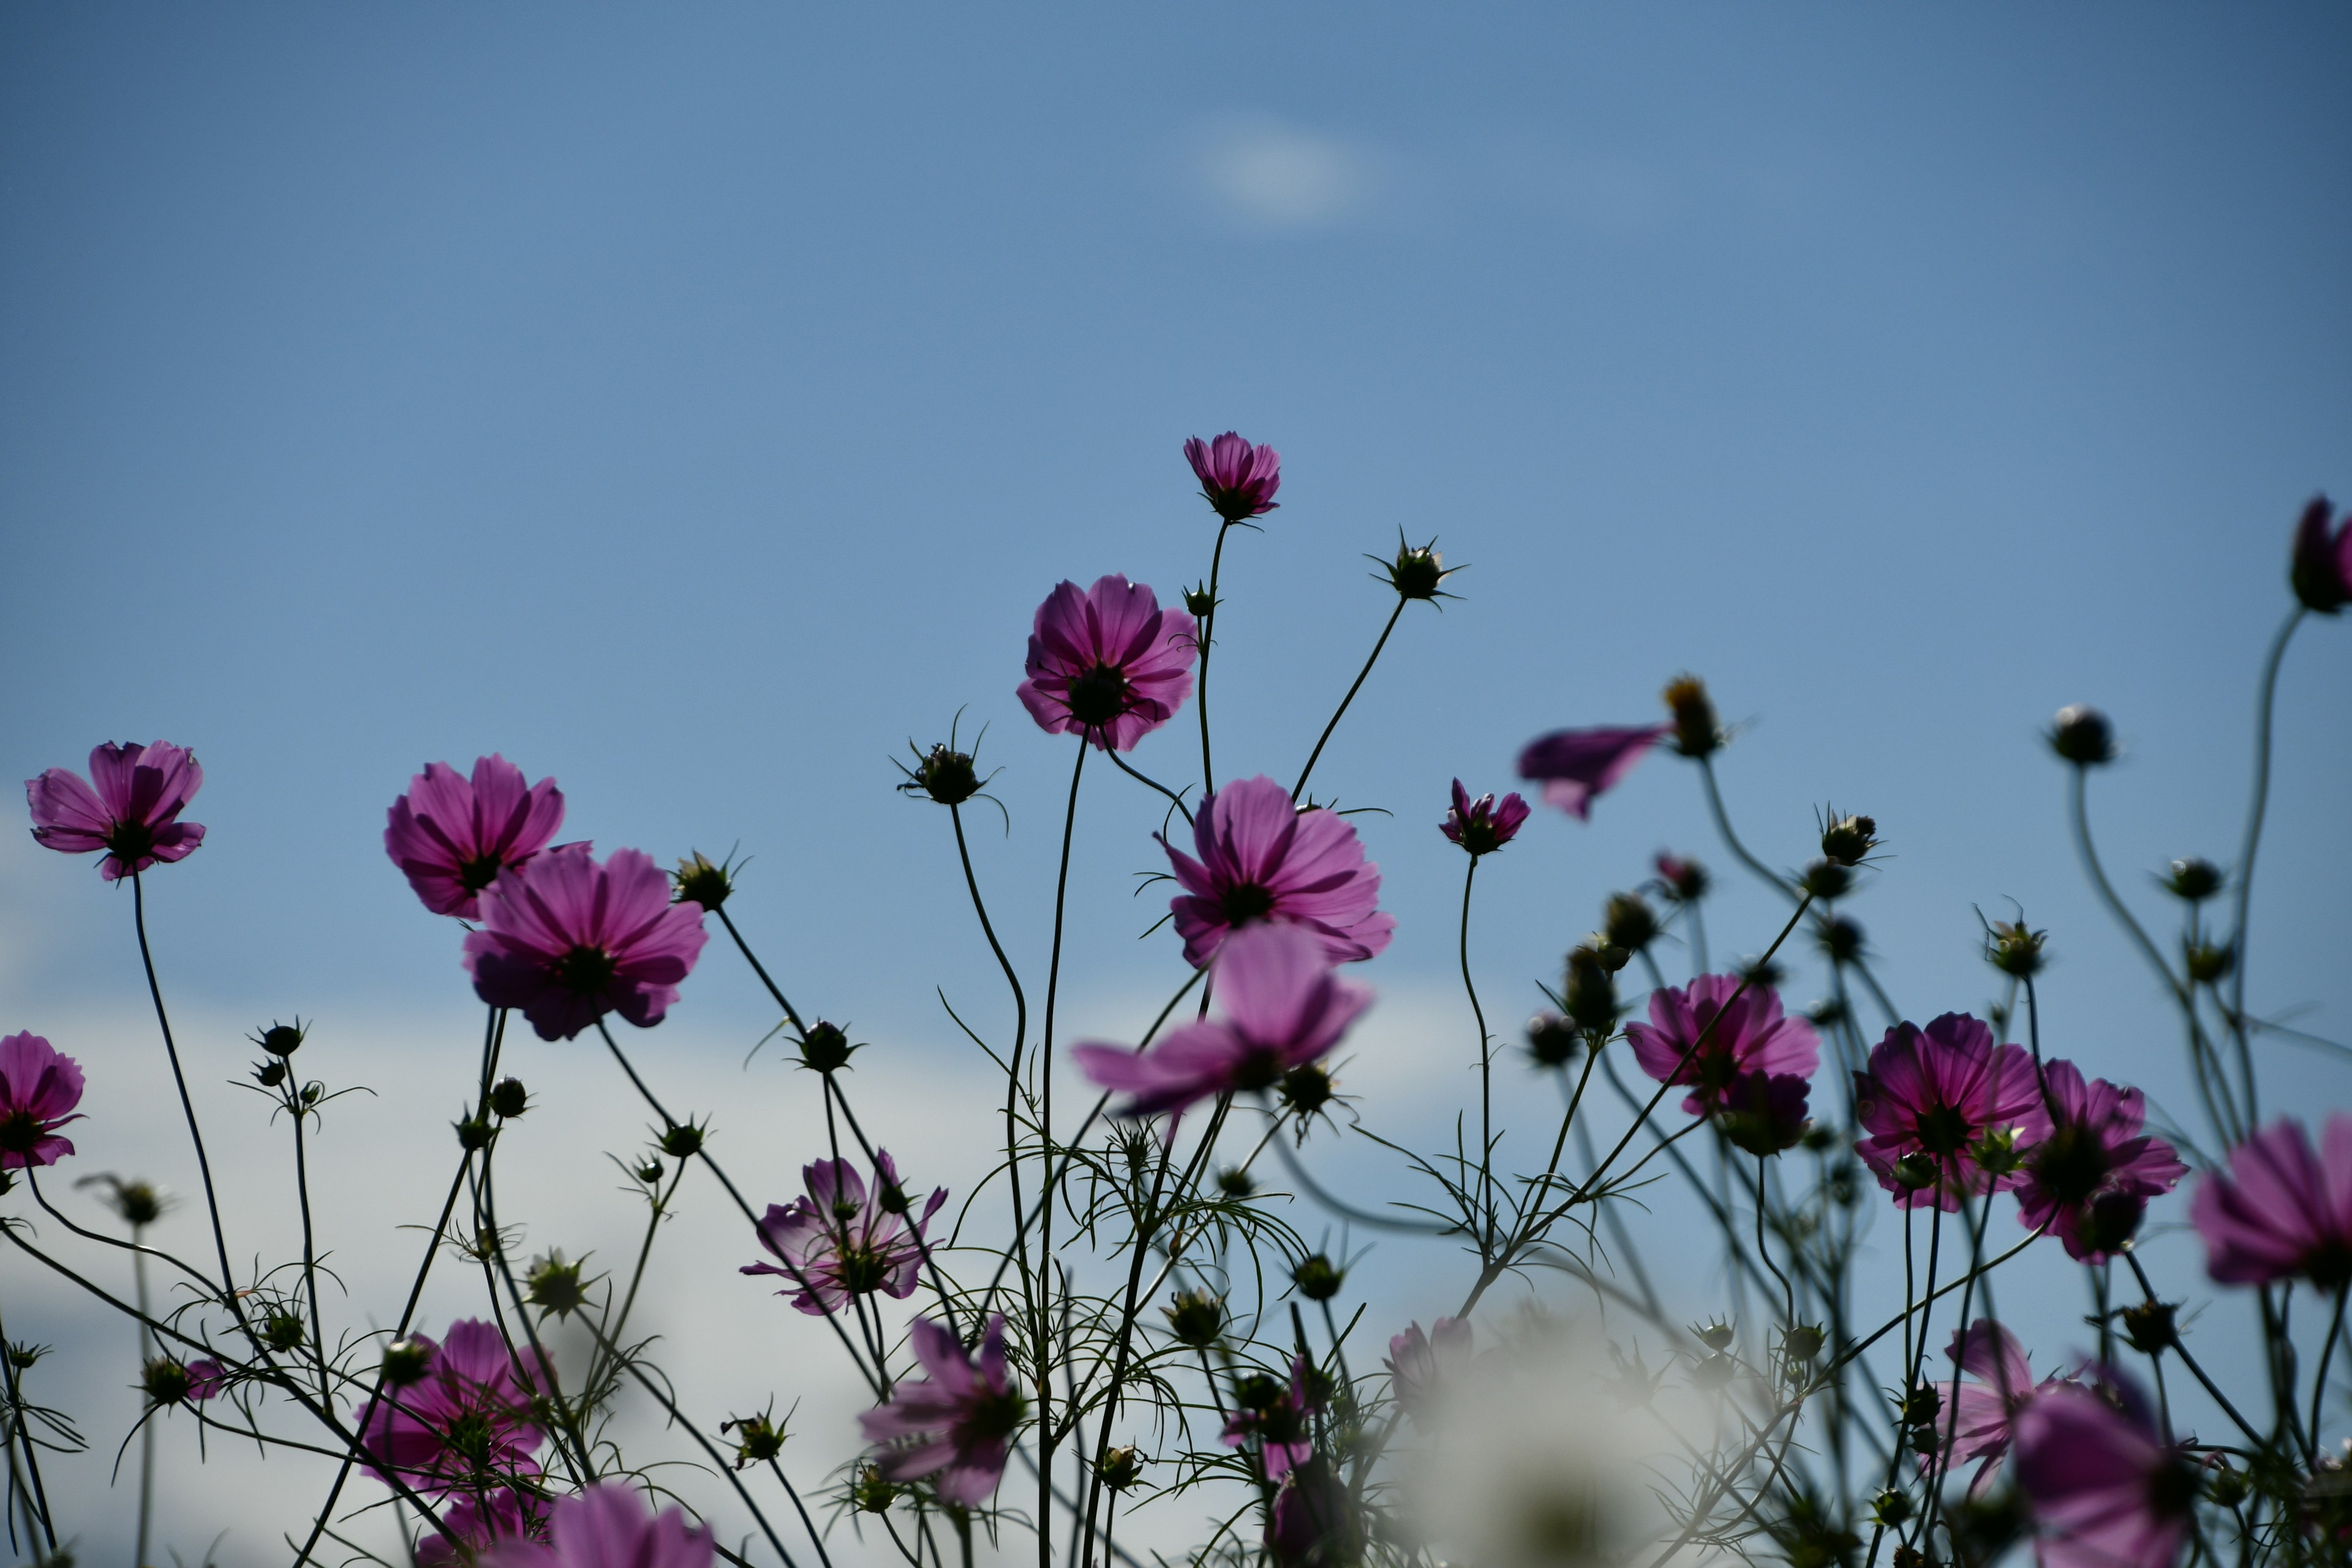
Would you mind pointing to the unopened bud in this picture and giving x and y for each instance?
(1715, 1336)
(1890, 1507)
(1828, 880)
(1418, 571)
(700, 882)
(1848, 840)
(2149, 1328)
(1306, 1090)
(1838, 937)
(824, 1048)
(1552, 1040)
(757, 1440)
(1199, 602)
(682, 1142)
(2194, 880)
(1119, 1469)
(1317, 1278)
(2208, 962)
(508, 1098)
(1196, 1319)
(556, 1286)
(945, 774)
(1591, 993)
(1236, 1183)
(2014, 949)
(1801, 1342)
(1696, 731)
(1922, 1405)
(282, 1039)
(406, 1362)
(164, 1381)
(282, 1332)
(473, 1133)
(2082, 735)
(1627, 921)
(269, 1074)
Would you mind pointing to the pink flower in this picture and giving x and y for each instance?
(1749, 1037)
(206, 1378)
(841, 1241)
(2105, 1488)
(483, 1523)
(1931, 1100)
(134, 814)
(1419, 1362)
(467, 1420)
(1682, 880)
(1482, 827)
(568, 941)
(1108, 663)
(1279, 1418)
(1237, 478)
(1283, 1008)
(452, 836)
(1315, 1523)
(2096, 1167)
(1262, 858)
(1764, 1114)
(39, 1087)
(2322, 570)
(610, 1526)
(1575, 765)
(2280, 1212)
(1980, 1414)
(956, 1424)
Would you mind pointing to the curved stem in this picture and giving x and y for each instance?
(1201, 688)
(1143, 778)
(2256, 809)
(1486, 1070)
(757, 968)
(1770, 877)
(1300, 787)
(188, 1106)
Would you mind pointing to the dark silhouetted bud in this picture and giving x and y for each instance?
(1306, 1090)
(269, 1074)
(1685, 880)
(140, 1203)
(1714, 1371)
(682, 1142)
(824, 1048)
(1627, 921)
(1716, 1336)
(757, 1439)
(2111, 1222)
(1843, 1187)
(1801, 1342)
(1820, 1138)
(1196, 1319)
(2147, 1328)
(164, 1380)
(282, 1039)
(555, 1285)
(1923, 1440)
(1826, 1014)
(2013, 949)
(1827, 880)
(2194, 880)
(1696, 734)
(406, 1362)
(1417, 572)
(2227, 1488)
(1922, 1405)
(700, 882)
(1915, 1171)
(2082, 735)
(1838, 937)
(1119, 1469)
(23, 1356)
(1848, 840)
(282, 1332)
(1891, 1507)
(2320, 570)
(1317, 1277)
(1590, 994)
(2206, 961)
(1199, 603)
(649, 1172)
(1911, 1556)
(870, 1493)
(508, 1098)
(312, 1091)
(1236, 1183)
(1552, 1040)
(947, 775)
(1762, 974)
(472, 1134)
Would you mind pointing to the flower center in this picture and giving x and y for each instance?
(1247, 901)
(2172, 1489)
(1942, 1130)
(1259, 1070)
(2071, 1164)
(479, 872)
(131, 842)
(992, 1419)
(468, 1437)
(862, 1270)
(20, 1131)
(1098, 695)
(584, 971)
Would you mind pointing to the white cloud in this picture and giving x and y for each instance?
(1266, 172)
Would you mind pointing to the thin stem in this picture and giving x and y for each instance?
(1770, 877)
(757, 968)
(1201, 684)
(310, 1254)
(1046, 1132)
(2256, 810)
(188, 1106)
(146, 1428)
(1143, 778)
(1485, 1071)
(1300, 787)
(2327, 1355)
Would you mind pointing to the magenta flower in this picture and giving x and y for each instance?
(452, 836)
(489, 1524)
(1419, 1362)
(2280, 1212)
(2104, 1486)
(1749, 1036)
(568, 941)
(1237, 478)
(1484, 826)
(1262, 858)
(39, 1087)
(1283, 1008)
(1315, 1523)
(1980, 1415)
(1684, 880)
(467, 1421)
(1936, 1101)
(842, 1241)
(1278, 1417)
(609, 1525)
(1108, 663)
(2095, 1170)
(134, 814)
(956, 1424)
(1575, 765)
(1764, 1114)
(2321, 572)
(206, 1378)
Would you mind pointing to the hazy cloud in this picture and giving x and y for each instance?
(1268, 173)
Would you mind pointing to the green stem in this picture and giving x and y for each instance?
(2256, 810)
(1313, 757)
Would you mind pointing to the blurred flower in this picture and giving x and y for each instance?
(1764, 1114)
(2280, 1212)
(1749, 1036)
(1931, 1100)
(610, 1526)
(1315, 1523)
(1261, 858)
(482, 1524)
(1419, 1362)
(1283, 1008)
(1278, 1417)
(1485, 824)
(206, 1378)
(2094, 1150)
(2322, 569)
(1237, 478)
(2101, 1483)
(1108, 663)
(468, 1418)
(1697, 730)
(2082, 735)
(39, 1087)
(1685, 880)
(452, 836)
(1983, 1412)
(568, 941)
(134, 814)
(957, 1423)
(842, 1241)
(1575, 765)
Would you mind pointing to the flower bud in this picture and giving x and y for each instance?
(1590, 994)
(1306, 1090)
(406, 1362)
(1196, 1319)
(1713, 1371)
(1910, 1557)
(870, 1493)
(700, 882)
(555, 1285)
(757, 1439)
(1696, 733)
(1891, 1507)
(281, 1039)
(1762, 974)
(2320, 568)
(1686, 880)
(1417, 573)
(1236, 1183)
(1996, 1150)
(2206, 962)
(269, 1074)
(1848, 840)
(164, 1380)
(1826, 1014)
(649, 1172)
(1716, 1336)
(1119, 1469)
(1915, 1171)
(1552, 1040)
(2228, 1487)
(2013, 949)
(682, 1142)
(1827, 880)
(824, 1048)
(1923, 1440)
(1199, 603)
(1803, 1342)
(2193, 880)
(282, 1332)
(1839, 939)
(139, 1202)
(2111, 1222)
(2082, 735)
(23, 1357)
(508, 1098)
(1820, 1138)
(947, 775)
(1922, 1405)
(2149, 1329)
(1627, 921)
(1317, 1277)
(473, 1133)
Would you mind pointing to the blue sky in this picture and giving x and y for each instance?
(694, 405)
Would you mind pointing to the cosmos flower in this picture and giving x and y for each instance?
(1279, 1418)
(452, 836)
(1262, 858)
(1283, 1008)
(1682, 879)
(956, 1424)
(484, 1522)
(1485, 824)
(2104, 1487)
(2280, 1211)
(1419, 1362)
(1936, 1101)
(1980, 1414)
(134, 814)
(2322, 569)
(39, 1086)
(1237, 478)
(2095, 1150)
(1749, 1036)
(1108, 663)
(1315, 1523)
(1575, 765)
(206, 1378)
(610, 1525)
(1764, 1114)
(568, 941)
(469, 1418)
(842, 1241)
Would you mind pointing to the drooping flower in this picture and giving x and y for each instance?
(451, 836)
(134, 814)
(467, 1421)
(1419, 1362)
(1764, 1114)
(1575, 765)
(1938, 1103)
(610, 1525)
(1315, 1523)
(487, 1524)
(2095, 1150)
(1108, 663)
(2322, 568)
(1980, 1415)
(841, 1240)
(1684, 880)
(1750, 1035)
(1262, 858)
(2104, 1486)
(956, 1424)
(1279, 1418)
(568, 941)
(206, 1378)
(1485, 824)
(2280, 1211)
(1237, 478)
(1283, 1008)
(39, 1086)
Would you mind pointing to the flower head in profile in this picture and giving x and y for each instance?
(1316, 1521)
(1715, 1029)
(1419, 1362)
(1283, 1008)
(1936, 1102)
(609, 1525)
(2322, 568)
(956, 1423)
(1682, 880)
(1237, 478)
(467, 1419)
(485, 1524)
(2280, 1211)
(1576, 766)
(1262, 859)
(206, 1379)
(567, 940)
(1485, 824)
(451, 835)
(842, 1240)
(2103, 1485)
(1279, 1418)
(1764, 1114)
(1982, 1413)
(39, 1086)
(2095, 1150)
(132, 814)
(1108, 663)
